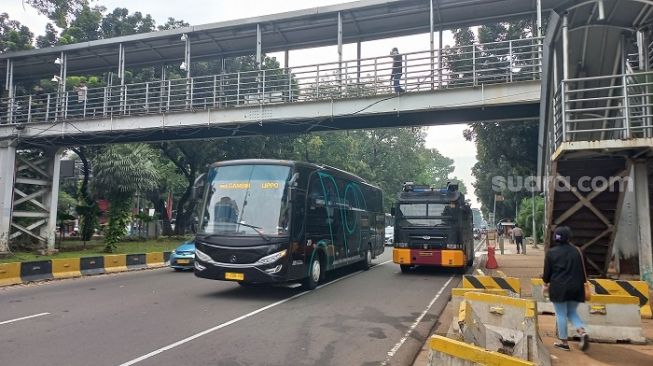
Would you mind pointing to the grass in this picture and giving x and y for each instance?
(75, 249)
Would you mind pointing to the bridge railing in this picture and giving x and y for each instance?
(451, 67)
(604, 108)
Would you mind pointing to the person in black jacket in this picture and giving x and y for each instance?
(564, 278)
(397, 70)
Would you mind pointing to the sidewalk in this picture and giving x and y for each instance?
(530, 266)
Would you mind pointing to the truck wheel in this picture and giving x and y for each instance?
(366, 263)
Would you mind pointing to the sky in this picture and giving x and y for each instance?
(447, 139)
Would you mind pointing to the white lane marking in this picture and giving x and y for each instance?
(394, 349)
(23, 318)
(243, 317)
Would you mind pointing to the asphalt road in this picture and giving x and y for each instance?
(160, 317)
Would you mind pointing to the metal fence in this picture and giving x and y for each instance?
(451, 67)
(604, 107)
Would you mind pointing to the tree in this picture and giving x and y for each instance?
(84, 27)
(120, 23)
(525, 216)
(49, 39)
(57, 10)
(119, 173)
(13, 35)
(172, 23)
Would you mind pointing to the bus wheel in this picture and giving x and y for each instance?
(367, 262)
(404, 268)
(314, 275)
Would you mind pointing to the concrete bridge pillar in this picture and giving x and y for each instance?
(643, 222)
(7, 169)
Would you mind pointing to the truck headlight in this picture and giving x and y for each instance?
(401, 245)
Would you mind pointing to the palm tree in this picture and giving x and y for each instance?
(119, 173)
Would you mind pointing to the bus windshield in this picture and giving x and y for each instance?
(247, 200)
(425, 214)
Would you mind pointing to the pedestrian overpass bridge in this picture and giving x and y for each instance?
(496, 81)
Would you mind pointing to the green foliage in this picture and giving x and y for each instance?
(120, 172)
(525, 216)
(57, 10)
(13, 35)
(120, 23)
(85, 27)
(49, 39)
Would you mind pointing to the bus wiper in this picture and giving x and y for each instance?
(256, 228)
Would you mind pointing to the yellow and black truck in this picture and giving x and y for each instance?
(433, 227)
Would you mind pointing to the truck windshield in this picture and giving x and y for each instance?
(425, 214)
(247, 200)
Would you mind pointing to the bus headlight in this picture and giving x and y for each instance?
(269, 259)
(454, 246)
(401, 245)
(202, 256)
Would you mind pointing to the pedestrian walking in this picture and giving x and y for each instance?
(564, 277)
(518, 236)
(397, 70)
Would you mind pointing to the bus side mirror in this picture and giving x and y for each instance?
(392, 211)
(198, 186)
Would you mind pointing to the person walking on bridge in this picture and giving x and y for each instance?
(564, 277)
(397, 70)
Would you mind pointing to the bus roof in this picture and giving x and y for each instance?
(293, 163)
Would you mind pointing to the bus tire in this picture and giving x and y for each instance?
(315, 274)
(366, 263)
(405, 268)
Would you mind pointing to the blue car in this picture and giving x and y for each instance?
(183, 257)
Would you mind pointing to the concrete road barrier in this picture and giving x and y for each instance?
(639, 289)
(488, 282)
(136, 261)
(503, 324)
(544, 304)
(66, 268)
(457, 297)
(36, 271)
(612, 319)
(10, 274)
(448, 352)
(154, 260)
(91, 265)
(115, 263)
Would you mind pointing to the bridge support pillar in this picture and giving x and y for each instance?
(7, 167)
(643, 222)
(36, 196)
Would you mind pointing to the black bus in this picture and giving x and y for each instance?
(433, 227)
(274, 221)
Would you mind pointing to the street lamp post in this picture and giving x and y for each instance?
(533, 214)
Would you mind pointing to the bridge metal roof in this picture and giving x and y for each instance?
(362, 21)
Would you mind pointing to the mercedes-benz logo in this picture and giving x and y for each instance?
(233, 259)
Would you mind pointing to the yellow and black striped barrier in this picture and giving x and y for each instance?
(66, 268)
(115, 263)
(488, 282)
(638, 289)
(155, 259)
(445, 351)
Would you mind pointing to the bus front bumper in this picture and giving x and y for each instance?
(273, 273)
(429, 257)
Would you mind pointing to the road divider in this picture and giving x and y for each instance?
(502, 324)
(91, 265)
(489, 282)
(153, 260)
(10, 274)
(115, 263)
(612, 319)
(66, 268)
(544, 304)
(445, 351)
(638, 289)
(36, 271)
(136, 261)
